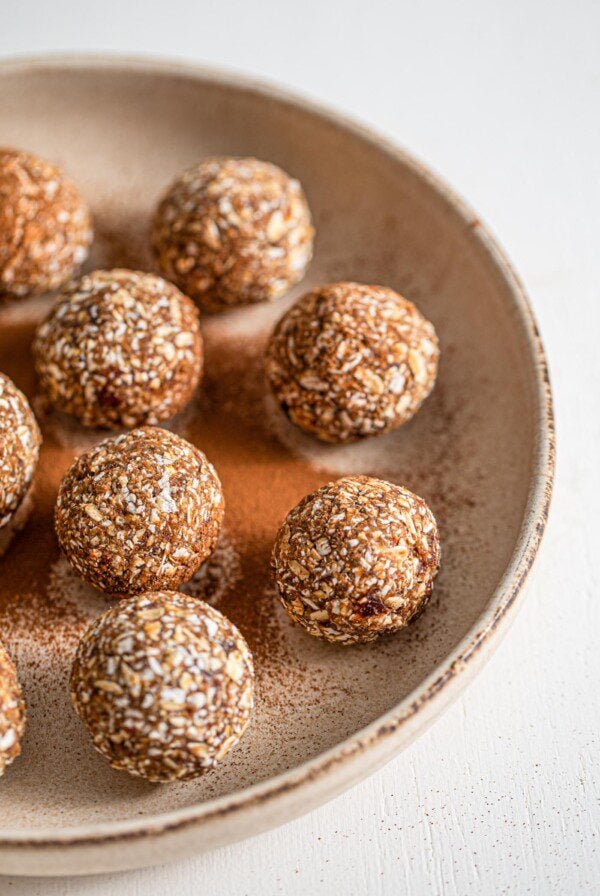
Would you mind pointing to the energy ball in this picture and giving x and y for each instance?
(45, 225)
(119, 349)
(20, 441)
(233, 232)
(356, 559)
(349, 361)
(164, 684)
(12, 712)
(139, 512)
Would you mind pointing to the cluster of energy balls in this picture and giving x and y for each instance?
(163, 682)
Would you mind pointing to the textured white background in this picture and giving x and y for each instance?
(502, 98)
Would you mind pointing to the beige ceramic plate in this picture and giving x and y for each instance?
(480, 452)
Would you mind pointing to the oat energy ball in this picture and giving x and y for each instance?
(12, 712)
(164, 684)
(120, 348)
(349, 361)
(139, 512)
(20, 441)
(356, 559)
(233, 232)
(45, 225)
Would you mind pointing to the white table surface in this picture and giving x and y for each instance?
(503, 99)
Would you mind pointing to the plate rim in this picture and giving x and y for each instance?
(446, 682)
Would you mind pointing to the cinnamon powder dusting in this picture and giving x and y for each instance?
(308, 695)
(45, 607)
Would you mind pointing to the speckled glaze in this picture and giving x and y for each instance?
(480, 452)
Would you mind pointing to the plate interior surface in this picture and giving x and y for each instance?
(122, 134)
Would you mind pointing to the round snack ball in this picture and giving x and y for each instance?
(12, 712)
(233, 232)
(45, 225)
(139, 512)
(120, 348)
(356, 559)
(164, 684)
(349, 361)
(20, 441)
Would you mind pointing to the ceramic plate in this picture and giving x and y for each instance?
(480, 452)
